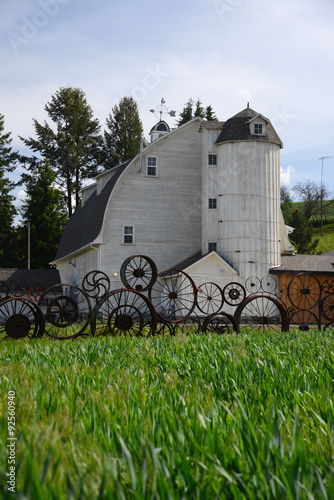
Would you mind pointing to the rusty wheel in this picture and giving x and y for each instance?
(304, 321)
(4, 290)
(234, 294)
(124, 312)
(269, 284)
(253, 285)
(220, 323)
(209, 298)
(328, 286)
(173, 295)
(96, 284)
(35, 292)
(67, 311)
(304, 291)
(263, 313)
(190, 325)
(20, 318)
(138, 273)
(18, 287)
(327, 307)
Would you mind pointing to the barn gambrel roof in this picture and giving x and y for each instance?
(86, 223)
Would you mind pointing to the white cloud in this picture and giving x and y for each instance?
(286, 175)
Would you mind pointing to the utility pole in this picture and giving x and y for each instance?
(28, 226)
(322, 158)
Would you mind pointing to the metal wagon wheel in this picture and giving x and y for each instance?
(328, 286)
(209, 298)
(138, 273)
(18, 287)
(269, 284)
(67, 311)
(262, 312)
(253, 285)
(304, 321)
(173, 295)
(304, 291)
(20, 318)
(124, 312)
(190, 325)
(234, 294)
(327, 307)
(220, 323)
(4, 290)
(96, 284)
(35, 292)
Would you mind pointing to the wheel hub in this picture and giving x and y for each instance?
(17, 326)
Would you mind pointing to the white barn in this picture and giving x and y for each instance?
(204, 197)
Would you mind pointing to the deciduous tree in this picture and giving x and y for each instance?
(311, 195)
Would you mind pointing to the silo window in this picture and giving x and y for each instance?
(212, 246)
(212, 203)
(258, 128)
(212, 159)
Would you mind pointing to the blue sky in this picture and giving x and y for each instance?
(277, 55)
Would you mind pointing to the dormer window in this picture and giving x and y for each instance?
(257, 125)
(258, 128)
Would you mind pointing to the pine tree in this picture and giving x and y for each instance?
(44, 209)
(73, 148)
(124, 132)
(188, 114)
(8, 161)
(301, 237)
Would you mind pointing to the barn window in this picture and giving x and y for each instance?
(212, 203)
(258, 128)
(212, 246)
(212, 159)
(152, 166)
(128, 235)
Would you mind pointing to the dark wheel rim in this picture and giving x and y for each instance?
(138, 272)
(262, 312)
(209, 298)
(124, 312)
(173, 295)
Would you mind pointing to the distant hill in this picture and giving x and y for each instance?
(326, 242)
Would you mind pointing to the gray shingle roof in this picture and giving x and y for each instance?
(322, 265)
(184, 263)
(86, 222)
(44, 277)
(237, 129)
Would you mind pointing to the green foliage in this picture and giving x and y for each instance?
(188, 114)
(8, 161)
(286, 204)
(124, 133)
(301, 237)
(74, 147)
(8, 158)
(236, 417)
(44, 209)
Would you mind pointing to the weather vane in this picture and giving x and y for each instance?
(161, 111)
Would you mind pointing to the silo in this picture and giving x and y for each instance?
(248, 185)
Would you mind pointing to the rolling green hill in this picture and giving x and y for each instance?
(326, 242)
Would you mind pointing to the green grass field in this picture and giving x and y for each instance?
(326, 240)
(185, 417)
